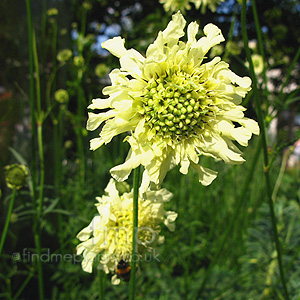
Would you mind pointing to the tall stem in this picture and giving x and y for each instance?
(265, 150)
(136, 184)
(32, 101)
(10, 208)
(35, 115)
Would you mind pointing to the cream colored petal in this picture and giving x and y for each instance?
(115, 46)
(213, 37)
(164, 195)
(145, 183)
(244, 82)
(80, 248)
(169, 36)
(175, 28)
(132, 62)
(115, 280)
(121, 172)
(192, 30)
(240, 134)
(206, 176)
(95, 120)
(251, 125)
(99, 103)
(114, 127)
(111, 189)
(87, 262)
(184, 166)
(218, 146)
(170, 219)
(96, 143)
(85, 233)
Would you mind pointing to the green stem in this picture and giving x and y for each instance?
(281, 173)
(101, 284)
(32, 102)
(42, 169)
(10, 208)
(136, 184)
(265, 149)
(37, 112)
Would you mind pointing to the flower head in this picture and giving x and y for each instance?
(176, 106)
(16, 176)
(110, 233)
(175, 5)
(64, 55)
(61, 96)
(258, 63)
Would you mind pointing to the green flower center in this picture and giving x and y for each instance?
(178, 105)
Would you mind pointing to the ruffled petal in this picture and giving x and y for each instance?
(115, 46)
(206, 176)
(95, 120)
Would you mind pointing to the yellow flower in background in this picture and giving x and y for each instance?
(175, 5)
(177, 105)
(109, 236)
(258, 63)
(64, 55)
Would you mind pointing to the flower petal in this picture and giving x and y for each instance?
(115, 46)
(206, 176)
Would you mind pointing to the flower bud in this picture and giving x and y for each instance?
(16, 176)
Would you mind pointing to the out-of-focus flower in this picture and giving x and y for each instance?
(175, 5)
(16, 176)
(86, 5)
(64, 55)
(258, 63)
(101, 70)
(79, 61)
(61, 96)
(176, 106)
(216, 51)
(233, 48)
(52, 12)
(63, 31)
(109, 235)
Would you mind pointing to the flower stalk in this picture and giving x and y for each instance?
(36, 133)
(136, 184)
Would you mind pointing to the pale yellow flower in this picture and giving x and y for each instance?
(108, 238)
(176, 105)
(175, 5)
(258, 63)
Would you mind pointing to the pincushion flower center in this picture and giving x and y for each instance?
(123, 220)
(178, 104)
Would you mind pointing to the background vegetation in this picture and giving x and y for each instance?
(224, 246)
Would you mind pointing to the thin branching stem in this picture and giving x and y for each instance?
(265, 150)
